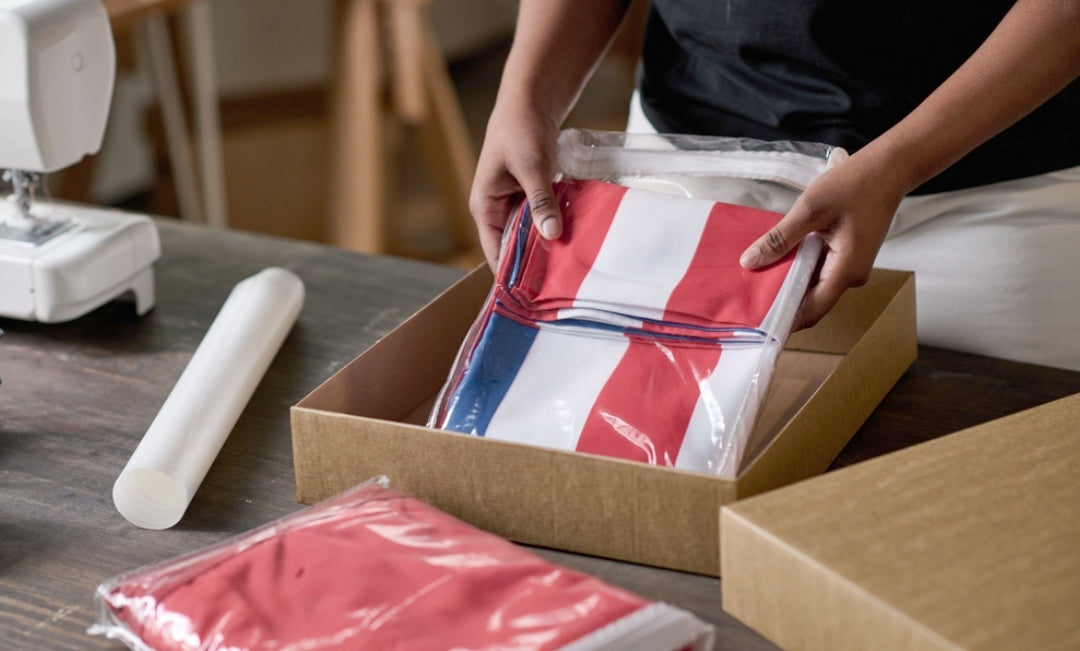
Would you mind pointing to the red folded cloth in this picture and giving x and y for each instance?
(376, 569)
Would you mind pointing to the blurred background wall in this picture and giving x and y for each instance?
(274, 62)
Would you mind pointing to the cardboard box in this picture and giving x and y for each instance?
(970, 541)
(368, 419)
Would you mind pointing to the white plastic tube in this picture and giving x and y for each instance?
(157, 484)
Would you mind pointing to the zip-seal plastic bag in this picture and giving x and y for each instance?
(637, 334)
(376, 569)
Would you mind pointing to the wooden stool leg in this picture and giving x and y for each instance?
(198, 25)
(446, 143)
(153, 35)
(405, 20)
(356, 218)
(363, 142)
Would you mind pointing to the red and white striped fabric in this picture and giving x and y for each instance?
(636, 335)
(374, 569)
(646, 256)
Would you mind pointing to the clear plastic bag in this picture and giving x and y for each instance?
(736, 170)
(375, 569)
(637, 334)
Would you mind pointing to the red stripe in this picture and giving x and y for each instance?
(553, 271)
(644, 409)
(716, 288)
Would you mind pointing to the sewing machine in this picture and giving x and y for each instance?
(61, 260)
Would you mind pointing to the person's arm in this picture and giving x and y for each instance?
(557, 44)
(1032, 54)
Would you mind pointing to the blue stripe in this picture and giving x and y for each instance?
(523, 224)
(492, 367)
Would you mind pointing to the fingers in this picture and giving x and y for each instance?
(490, 212)
(492, 203)
(490, 241)
(846, 258)
(500, 184)
(779, 240)
(818, 301)
(839, 272)
(534, 173)
(768, 248)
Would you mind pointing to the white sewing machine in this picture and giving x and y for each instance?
(60, 260)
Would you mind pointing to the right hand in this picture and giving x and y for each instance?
(517, 162)
(851, 207)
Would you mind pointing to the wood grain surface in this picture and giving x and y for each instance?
(76, 399)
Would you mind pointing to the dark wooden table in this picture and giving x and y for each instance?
(76, 399)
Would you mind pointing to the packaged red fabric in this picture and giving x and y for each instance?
(376, 569)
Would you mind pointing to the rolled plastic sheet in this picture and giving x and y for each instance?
(157, 484)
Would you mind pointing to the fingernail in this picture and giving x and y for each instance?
(751, 258)
(549, 228)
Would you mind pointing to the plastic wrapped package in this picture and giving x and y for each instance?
(755, 173)
(376, 569)
(637, 334)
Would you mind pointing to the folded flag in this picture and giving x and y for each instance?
(645, 256)
(636, 334)
(376, 569)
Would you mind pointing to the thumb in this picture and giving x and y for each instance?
(544, 209)
(776, 243)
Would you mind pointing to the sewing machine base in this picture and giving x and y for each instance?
(74, 259)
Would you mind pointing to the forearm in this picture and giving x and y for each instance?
(1032, 55)
(557, 44)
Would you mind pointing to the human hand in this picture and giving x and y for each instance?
(851, 207)
(518, 161)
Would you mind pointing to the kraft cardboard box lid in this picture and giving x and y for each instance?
(970, 541)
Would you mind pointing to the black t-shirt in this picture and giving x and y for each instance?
(835, 71)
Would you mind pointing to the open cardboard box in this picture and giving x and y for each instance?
(969, 541)
(368, 419)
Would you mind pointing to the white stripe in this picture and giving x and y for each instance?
(615, 318)
(644, 255)
(555, 389)
(718, 429)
